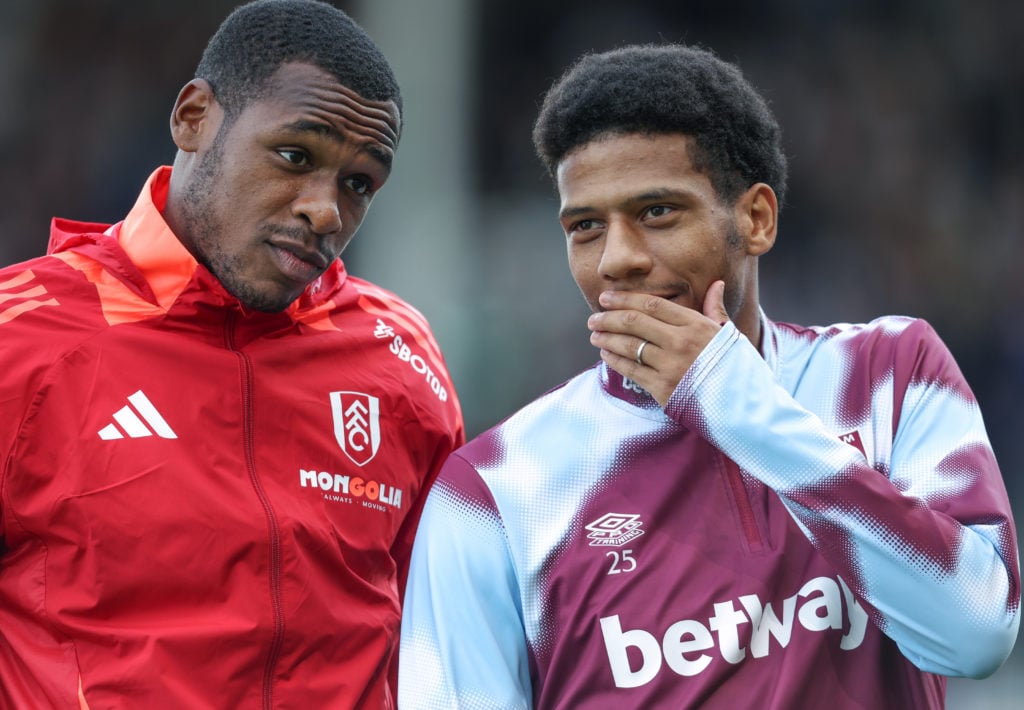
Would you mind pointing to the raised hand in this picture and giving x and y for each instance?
(653, 341)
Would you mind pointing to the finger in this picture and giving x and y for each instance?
(640, 349)
(634, 323)
(624, 346)
(656, 307)
(714, 303)
(625, 366)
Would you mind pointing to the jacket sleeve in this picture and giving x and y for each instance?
(929, 544)
(401, 550)
(463, 642)
(450, 436)
(26, 348)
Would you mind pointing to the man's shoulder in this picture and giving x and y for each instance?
(45, 287)
(395, 337)
(47, 309)
(376, 298)
(549, 417)
(386, 311)
(891, 345)
(880, 337)
(887, 325)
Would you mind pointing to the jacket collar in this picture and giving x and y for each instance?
(148, 257)
(150, 244)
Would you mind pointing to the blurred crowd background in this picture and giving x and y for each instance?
(903, 121)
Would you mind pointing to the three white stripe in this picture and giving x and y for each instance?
(135, 427)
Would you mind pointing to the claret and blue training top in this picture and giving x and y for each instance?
(202, 506)
(818, 525)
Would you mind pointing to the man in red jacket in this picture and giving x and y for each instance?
(214, 442)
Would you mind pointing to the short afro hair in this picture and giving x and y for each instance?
(664, 89)
(257, 38)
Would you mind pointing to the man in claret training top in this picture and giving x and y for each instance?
(726, 512)
(214, 442)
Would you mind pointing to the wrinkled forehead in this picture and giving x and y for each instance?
(311, 91)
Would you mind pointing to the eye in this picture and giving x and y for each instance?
(656, 211)
(583, 230)
(299, 158)
(359, 184)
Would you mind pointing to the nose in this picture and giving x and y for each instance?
(625, 252)
(317, 205)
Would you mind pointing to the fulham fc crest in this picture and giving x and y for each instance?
(356, 425)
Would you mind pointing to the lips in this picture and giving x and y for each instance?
(297, 262)
(299, 251)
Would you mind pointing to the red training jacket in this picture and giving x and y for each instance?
(201, 505)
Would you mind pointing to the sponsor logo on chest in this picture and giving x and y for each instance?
(339, 488)
(400, 349)
(732, 632)
(356, 418)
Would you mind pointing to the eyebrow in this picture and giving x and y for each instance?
(570, 212)
(633, 200)
(325, 130)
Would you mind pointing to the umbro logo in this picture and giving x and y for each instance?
(137, 419)
(614, 529)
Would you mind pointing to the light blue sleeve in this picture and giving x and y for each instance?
(930, 544)
(463, 643)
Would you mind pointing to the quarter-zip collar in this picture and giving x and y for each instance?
(148, 259)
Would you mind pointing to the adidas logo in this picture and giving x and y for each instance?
(133, 419)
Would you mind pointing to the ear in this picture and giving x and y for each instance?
(196, 117)
(757, 213)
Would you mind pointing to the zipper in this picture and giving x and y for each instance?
(248, 440)
(748, 523)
